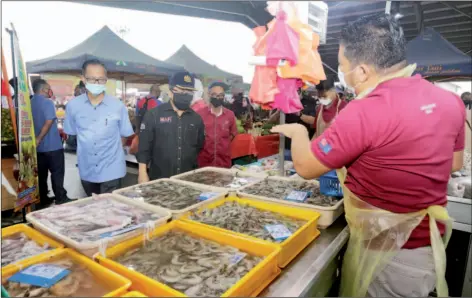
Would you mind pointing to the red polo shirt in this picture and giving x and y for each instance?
(219, 131)
(398, 146)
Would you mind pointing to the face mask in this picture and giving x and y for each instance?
(95, 89)
(325, 101)
(182, 101)
(50, 94)
(216, 102)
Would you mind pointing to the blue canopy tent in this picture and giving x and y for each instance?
(123, 61)
(436, 57)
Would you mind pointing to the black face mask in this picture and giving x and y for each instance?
(182, 101)
(216, 102)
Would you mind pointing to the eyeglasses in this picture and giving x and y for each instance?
(95, 80)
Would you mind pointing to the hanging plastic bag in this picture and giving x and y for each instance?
(309, 67)
(282, 43)
(288, 100)
(264, 82)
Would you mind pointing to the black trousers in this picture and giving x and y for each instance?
(100, 188)
(53, 162)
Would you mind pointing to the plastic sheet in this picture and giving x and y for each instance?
(282, 43)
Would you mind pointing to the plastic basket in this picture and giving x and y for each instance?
(330, 185)
(289, 248)
(250, 285)
(34, 235)
(118, 283)
(134, 294)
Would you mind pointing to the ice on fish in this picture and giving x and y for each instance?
(90, 220)
(245, 219)
(193, 266)
(218, 179)
(280, 189)
(18, 247)
(166, 194)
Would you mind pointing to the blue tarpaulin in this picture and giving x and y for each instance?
(435, 56)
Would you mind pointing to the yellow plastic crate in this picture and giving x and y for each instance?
(34, 235)
(293, 245)
(134, 294)
(249, 286)
(119, 283)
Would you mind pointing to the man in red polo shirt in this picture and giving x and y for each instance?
(220, 129)
(399, 140)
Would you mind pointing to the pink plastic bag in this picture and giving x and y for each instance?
(282, 43)
(288, 100)
(264, 85)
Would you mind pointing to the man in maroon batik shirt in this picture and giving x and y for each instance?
(399, 140)
(220, 129)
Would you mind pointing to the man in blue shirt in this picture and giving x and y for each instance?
(99, 121)
(49, 145)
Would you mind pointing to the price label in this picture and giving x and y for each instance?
(41, 275)
(278, 232)
(298, 196)
(207, 195)
(236, 258)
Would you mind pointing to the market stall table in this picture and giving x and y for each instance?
(267, 145)
(315, 270)
(243, 145)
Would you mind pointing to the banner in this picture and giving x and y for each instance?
(9, 132)
(28, 174)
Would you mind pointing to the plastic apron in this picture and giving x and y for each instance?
(377, 235)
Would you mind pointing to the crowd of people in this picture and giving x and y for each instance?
(394, 146)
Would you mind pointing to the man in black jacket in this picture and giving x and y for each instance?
(171, 135)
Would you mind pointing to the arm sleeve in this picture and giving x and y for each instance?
(126, 129)
(49, 111)
(460, 139)
(146, 139)
(201, 135)
(233, 128)
(344, 141)
(70, 126)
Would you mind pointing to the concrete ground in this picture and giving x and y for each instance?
(72, 179)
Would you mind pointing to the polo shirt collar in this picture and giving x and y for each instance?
(105, 101)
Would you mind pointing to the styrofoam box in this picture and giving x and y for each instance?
(91, 248)
(260, 176)
(328, 214)
(177, 213)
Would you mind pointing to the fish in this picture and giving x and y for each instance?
(79, 283)
(18, 247)
(219, 179)
(280, 189)
(245, 219)
(194, 266)
(90, 220)
(166, 194)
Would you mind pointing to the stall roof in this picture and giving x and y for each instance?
(123, 61)
(194, 64)
(435, 56)
(452, 19)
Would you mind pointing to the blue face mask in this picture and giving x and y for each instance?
(95, 89)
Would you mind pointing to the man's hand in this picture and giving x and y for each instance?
(143, 178)
(290, 130)
(38, 141)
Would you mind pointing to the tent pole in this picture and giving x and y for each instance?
(282, 147)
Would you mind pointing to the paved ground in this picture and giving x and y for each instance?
(72, 180)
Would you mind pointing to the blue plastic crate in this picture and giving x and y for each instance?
(330, 185)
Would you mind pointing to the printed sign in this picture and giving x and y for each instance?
(278, 232)
(41, 275)
(207, 195)
(298, 196)
(28, 174)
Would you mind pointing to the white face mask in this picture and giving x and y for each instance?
(342, 79)
(325, 101)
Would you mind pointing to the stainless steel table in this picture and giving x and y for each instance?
(313, 272)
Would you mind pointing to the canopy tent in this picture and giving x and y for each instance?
(122, 61)
(437, 57)
(205, 71)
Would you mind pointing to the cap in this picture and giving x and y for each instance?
(218, 84)
(183, 80)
